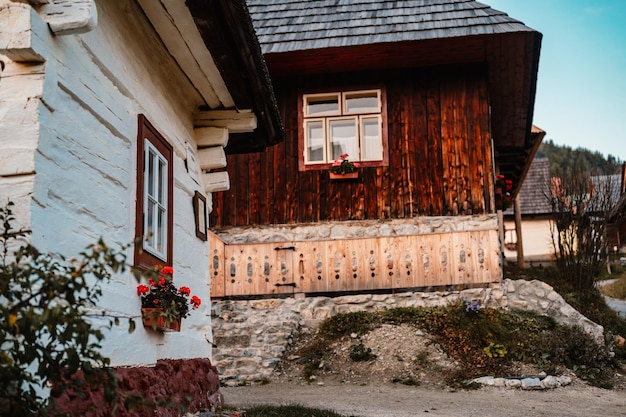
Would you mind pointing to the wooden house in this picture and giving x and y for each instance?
(92, 91)
(432, 99)
(535, 213)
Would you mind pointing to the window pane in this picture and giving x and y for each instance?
(371, 143)
(343, 139)
(315, 145)
(150, 180)
(160, 238)
(322, 105)
(149, 230)
(162, 181)
(362, 102)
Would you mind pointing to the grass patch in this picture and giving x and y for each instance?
(485, 341)
(289, 411)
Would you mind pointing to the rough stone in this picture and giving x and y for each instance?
(531, 383)
(267, 331)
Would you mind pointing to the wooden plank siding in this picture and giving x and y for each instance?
(435, 260)
(439, 145)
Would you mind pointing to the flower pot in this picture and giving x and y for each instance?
(152, 319)
(347, 176)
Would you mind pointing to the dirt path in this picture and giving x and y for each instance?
(393, 400)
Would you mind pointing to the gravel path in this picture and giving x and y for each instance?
(389, 400)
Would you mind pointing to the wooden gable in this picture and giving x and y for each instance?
(313, 37)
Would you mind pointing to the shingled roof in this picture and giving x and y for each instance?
(296, 25)
(535, 191)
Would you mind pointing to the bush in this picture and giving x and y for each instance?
(45, 334)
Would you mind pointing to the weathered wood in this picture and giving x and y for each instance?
(518, 232)
(24, 34)
(211, 158)
(351, 265)
(176, 28)
(65, 17)
(211, 136)
(430, 115)
(215, 181)
(236, 121)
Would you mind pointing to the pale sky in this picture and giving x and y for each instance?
(581, 87)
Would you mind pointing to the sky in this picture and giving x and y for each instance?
(581, 84)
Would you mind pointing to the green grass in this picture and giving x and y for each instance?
(289, 411)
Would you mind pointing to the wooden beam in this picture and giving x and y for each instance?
(179, 33)
(518, 232)
(23, 34)
(211, 136)
(211, 158)
(216, 181)
(236, 121)
(65, 17)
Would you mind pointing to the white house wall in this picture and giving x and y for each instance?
(73, 120)
(537, 240)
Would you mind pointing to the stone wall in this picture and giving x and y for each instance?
(250, 336)
(353, 229)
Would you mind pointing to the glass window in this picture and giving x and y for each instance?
(154, 198)
(347, 122)
(315, 140)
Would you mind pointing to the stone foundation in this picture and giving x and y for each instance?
(251, 335)
(185, 385)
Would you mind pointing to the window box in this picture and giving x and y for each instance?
(347, 176)
(153, 319)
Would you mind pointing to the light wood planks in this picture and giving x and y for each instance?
(459, 259)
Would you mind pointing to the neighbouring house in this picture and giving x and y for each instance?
(92, 92)
(617, 215)
(607, 191)
(433, 100)
(536, 214)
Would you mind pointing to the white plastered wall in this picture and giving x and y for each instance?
(69, 124)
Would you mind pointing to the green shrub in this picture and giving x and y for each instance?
(360, 353)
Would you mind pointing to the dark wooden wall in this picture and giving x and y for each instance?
(440, 156)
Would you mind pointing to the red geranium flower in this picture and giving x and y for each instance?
(142, 289)
(195, 301)
(175, 302)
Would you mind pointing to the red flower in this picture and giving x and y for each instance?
(151, 282)
(161, 281)
(344, 156)
(184, 290)
(195, 301)
(142, 289)
(167, 270)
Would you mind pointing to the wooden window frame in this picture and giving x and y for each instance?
(200, 214)
(144, 259)
(303, 164)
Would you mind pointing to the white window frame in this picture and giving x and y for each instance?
(158, 236)
(342, 114)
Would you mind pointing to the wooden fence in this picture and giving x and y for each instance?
(460, 259)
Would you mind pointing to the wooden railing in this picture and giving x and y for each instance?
(469, 258)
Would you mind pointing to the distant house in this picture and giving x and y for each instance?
(536, 214)
(432, 99)
(112, 115)
(608, 202)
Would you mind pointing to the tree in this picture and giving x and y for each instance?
(45, 331)
(580, 217)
